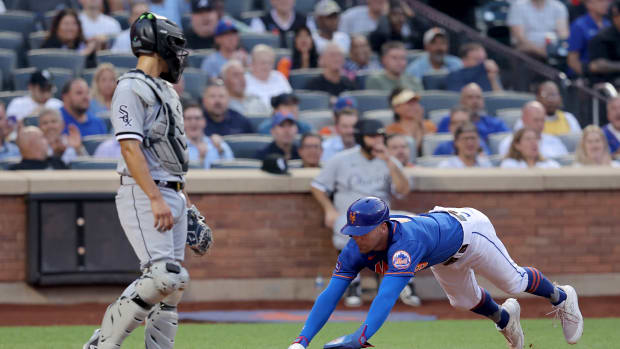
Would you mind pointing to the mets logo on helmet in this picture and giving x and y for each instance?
(352, 217)
(401, 259)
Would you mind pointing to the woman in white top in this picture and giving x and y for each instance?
(593, 149)
(467, 149)
(262, 80)
(524, 152)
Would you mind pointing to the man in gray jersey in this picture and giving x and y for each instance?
(151, 202)
(364, 170)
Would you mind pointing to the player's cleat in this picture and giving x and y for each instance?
(353, 297)
(570, 316)
(93, 342)
(513, 331)
(408, 297)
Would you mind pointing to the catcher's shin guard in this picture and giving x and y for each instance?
(161, 327)
(119, 320)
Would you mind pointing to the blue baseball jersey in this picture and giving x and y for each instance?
(413, 245)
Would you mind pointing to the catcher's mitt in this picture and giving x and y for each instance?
(199, 235)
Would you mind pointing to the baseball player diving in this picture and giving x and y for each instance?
(454, 243)
(153, 207)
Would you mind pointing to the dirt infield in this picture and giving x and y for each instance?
(90, 314)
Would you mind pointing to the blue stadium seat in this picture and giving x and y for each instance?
(235, 8)
(8, 63)
(120, 60)
(317, 118)
(195, 81)
(249, 40)
(305, 7)
(369, 99)
(435, 116)
(56, 58)
(501, 100)
(92, 142)
(510, 116)
(245, 146)
(571, 140)
(123, 19)
(237, 164)
(256, 120)
(495, 139)
(88, 163)
(196, 57)
(7, 162)
(36, 39)
(430, 142)
(299, 78)
(434, 81)
(433, 100)
(14, 42)
(312, 99)
(17, 21)
(386, 116)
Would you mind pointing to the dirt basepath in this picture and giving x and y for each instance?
(90, 314)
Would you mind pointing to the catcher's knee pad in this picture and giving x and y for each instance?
(161, 280)
(161, 327)
(121, 317)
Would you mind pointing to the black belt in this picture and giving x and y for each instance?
(176, 186)
(457, 255)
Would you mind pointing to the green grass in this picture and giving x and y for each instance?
(448, 334)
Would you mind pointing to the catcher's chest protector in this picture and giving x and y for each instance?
(165, 140)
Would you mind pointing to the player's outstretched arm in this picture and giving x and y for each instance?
(379, 310)
(323, 307)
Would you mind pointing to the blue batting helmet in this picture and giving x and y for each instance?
(364, 215)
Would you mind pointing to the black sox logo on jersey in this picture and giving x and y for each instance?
(124, 115)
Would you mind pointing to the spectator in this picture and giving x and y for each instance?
(394, 60)
(222, 120)
(582, 30)
(202, 149)
(436, 58)
(360, 58)
(360, 171)
(262, 80)
(476, 68)
(104, 84)
(398, 148)
(409, 116)
(305, 55)
(171, 9)
(363, 19)
(233, 74)
(220, 8)
(40, 90)
(310, 150)
(524, 152)
(533, 118)
(473, 101)
(122, 43)
(109, 149)
(593, 149)
(458, 117)
(227, 44)
(400, 24)
(66, 33)
(345, 118)
(557, 122)
(535, 22)
(286, 103)
(76, 100)
(97, 25)
(7, 149)
(281, 20)
(612, 129)
(61, 146)
(327, 17)
(468, 152)
(33, 148)
(604, 51)
(284, 131)
(331, 80)
(203, 21)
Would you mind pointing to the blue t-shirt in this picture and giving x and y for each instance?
(234, 123)
(447, 148)
(485, 125)
(415, 245)
(92, 126)
(456, 80)
(581, 31)
(264, 127)
(422, 65)
(614, 143)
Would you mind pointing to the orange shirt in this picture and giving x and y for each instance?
(429, 127)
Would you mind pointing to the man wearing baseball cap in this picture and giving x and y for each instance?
(327, 17)
(345, 118)
(285, 103)
(436, 58)
(284, 131)
(227, 44)
(40, 90)
(200, 34)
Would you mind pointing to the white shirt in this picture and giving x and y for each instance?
(512, 163)
(21, 107)
(331, 146)
(339, 38)
(258, 26)
(103, 25)
(549, 146)
(456, 162)
(536, 22)
(570, 119)
(276, 84)
(122, 43)
(357, 20)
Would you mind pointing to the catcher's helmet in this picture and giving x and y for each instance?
(364, 215)
(152, 33)
(367, 127)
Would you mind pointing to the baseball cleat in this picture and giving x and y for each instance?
(570, 316)
(352, 301)
(408, 297)
(353, 297)
(513, 331)
(93, 342)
